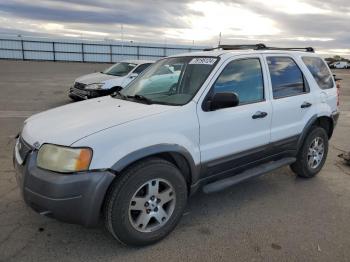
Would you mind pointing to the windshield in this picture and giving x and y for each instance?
(172, 81)
(119, 69)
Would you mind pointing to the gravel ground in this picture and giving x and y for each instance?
(276, 217)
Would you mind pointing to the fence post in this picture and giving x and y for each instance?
(138, 52)
(54, 51)
(164, 51)
(110, 53)
(82, 51)
(22, 49)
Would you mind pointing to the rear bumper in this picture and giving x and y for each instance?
(73, 198)
(335, 117)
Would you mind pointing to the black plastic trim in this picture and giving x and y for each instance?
(158, 149)
(72, 198)
(306, 130)
(236, 163)
(247, 174)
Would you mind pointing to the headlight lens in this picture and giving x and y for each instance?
(64, 159)
(94, 86)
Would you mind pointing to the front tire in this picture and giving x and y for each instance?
(146, 202)
(313, 153)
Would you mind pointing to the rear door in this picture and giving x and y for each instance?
(230, 137)
(324, 82)
(292, 101)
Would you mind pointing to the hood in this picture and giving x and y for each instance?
(66, 124)
(95, 78)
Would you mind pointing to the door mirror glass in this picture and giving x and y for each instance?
(224, 100)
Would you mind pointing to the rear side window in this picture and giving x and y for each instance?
(286, 77)
(319, 71)
(244, 77)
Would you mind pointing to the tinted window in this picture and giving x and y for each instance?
(286, 77)
(244, 77)
(320, 71)
(140, 68)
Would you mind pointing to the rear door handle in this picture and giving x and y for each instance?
(305, 105)
(259, 114)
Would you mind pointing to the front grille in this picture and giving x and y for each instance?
(23, 148)
(79, 92)
(79, 85)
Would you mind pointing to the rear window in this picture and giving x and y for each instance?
(319, 71)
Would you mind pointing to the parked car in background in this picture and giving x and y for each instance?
(340, 65)
(108, 81)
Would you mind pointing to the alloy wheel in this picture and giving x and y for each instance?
(152, 205)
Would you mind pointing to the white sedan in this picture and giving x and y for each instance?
(108, 81)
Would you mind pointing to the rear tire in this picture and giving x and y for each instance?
(146, 202)
(313, 153)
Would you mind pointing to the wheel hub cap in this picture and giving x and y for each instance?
(315, 153)
(152, 205)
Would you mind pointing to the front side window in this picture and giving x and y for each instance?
(319, 71)
(141, 68)
(172, 81)
(286, 77)
(243, 77)
(119, 69)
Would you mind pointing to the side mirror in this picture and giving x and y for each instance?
(224, 100)
(133, 75)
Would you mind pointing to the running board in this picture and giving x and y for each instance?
(250, 173)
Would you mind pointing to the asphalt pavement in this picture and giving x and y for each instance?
(276, 217)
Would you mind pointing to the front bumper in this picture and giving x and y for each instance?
(76, 93)
(73, 198)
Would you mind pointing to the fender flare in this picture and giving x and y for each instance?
(158, 149)
(310, 123)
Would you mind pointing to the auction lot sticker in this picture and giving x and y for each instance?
(203, 61)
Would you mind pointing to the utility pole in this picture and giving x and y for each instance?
(122, 38)
(220, 38)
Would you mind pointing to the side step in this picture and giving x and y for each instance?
(250, 173)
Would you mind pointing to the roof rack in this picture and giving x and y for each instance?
(259, 47)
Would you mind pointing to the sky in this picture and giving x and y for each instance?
(323, 24)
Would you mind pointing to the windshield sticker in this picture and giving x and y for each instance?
(203, 61)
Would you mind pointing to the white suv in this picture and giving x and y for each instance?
(108, 81)
(221, 117)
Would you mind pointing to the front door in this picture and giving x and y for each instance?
(230, 133)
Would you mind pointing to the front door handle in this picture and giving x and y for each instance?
(259, 114)
(305, 105)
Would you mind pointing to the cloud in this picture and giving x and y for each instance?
(318, 23)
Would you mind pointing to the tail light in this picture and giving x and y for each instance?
(338, 92)
(337, 83)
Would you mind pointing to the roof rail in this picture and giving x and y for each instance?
(259, 47)
(237, 47)
(305, 49)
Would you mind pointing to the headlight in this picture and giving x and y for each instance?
(94, 86)
(64, 159)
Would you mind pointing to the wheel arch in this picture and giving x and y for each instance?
(324, 121)
(173, 153)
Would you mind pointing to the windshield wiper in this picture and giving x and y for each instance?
(141, 98)
(117, 93)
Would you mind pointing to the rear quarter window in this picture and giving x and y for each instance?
(319, 71)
